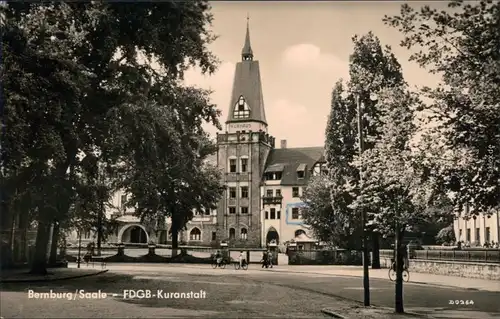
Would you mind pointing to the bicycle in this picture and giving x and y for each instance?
(221, 264)
(393, 274)
(244, 265)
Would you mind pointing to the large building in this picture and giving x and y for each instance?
(477, 230)
(264, 183)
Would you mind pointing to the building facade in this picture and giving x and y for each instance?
(477, 230)
(264, 183)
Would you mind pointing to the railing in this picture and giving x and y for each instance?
(324, 257)
(467, 255)
(271, 200)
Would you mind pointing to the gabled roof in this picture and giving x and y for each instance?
(291, 159)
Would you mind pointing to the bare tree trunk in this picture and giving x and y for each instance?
(99, 227)
(375, 250)
(399, 307)
(54, 244)
(39, 262)
(175, 241)
(8, 257)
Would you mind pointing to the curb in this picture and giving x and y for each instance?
(330, 313)
(411, 282)
(8, 281)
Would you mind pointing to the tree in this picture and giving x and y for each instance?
(71, 68)
(461, 45)
(397, 189)
(177, 181)
(372, 68)
(333, 226)
(446, 235)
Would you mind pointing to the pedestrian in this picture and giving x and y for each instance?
(270, 259)
(241, 259)
(264, 259)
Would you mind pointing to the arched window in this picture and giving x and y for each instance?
(244, 233)
(232, 233)
(195, 234)
(299, 232)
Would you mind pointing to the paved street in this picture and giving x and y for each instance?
(241, 294)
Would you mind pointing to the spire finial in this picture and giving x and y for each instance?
(246, 53)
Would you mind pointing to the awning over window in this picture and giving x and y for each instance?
(275, 168)
(301, 168)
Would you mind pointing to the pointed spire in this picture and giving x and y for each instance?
(247, 53)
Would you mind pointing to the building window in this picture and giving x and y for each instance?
(273, 213)
(232, 165)
(300, 174)
(214, 235)
(123, 201)
(460, 234)
(232, 210)
(244, 210)
(278, 193)
(478, 236)
(269, 193)
(244, 233)
(272, 176)
(232, 233)
(467, 238)
(232, 192)
(487, 234)
(266, 215)
(295, 192)
(278, 214)
(195, 234)
(244, 165)
(244, 192)
(295, 213)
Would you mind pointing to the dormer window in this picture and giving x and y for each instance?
(241, 109)
(301, 171)
(320, 169)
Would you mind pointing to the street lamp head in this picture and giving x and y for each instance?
(373, 96)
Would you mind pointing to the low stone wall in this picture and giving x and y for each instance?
(458, 269)
(451, 268)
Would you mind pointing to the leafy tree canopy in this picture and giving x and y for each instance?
(461, 45)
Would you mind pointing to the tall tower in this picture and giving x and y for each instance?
(242, 154)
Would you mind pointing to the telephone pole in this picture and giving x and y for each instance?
(366, 256)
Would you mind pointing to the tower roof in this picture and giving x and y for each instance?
(247, 101)
(246, 52)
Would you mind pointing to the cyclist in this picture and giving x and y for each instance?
(218, 257)
(404, 253)
(241, 259)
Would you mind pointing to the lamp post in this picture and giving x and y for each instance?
(366, 277)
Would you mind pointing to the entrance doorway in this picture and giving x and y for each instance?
(272, 234)
(135, 235)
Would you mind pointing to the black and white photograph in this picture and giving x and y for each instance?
(250, 159)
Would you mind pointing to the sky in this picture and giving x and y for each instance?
(303, 48)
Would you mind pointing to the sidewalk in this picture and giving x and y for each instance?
(22, 275)
(416, 278)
